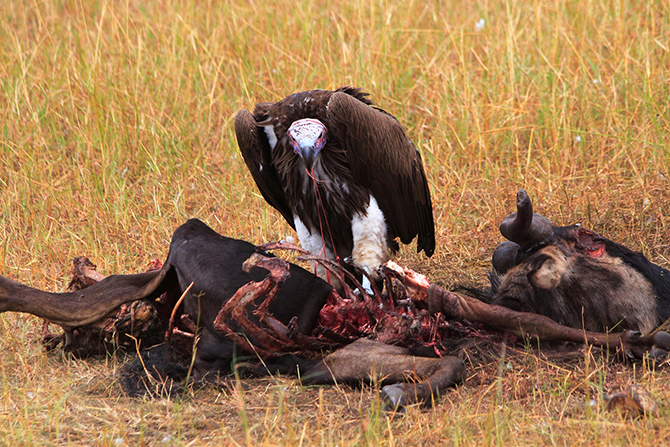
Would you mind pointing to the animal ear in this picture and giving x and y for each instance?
(547, 270)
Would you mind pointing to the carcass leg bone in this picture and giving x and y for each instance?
(530, 325)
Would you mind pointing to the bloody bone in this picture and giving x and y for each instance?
(526, 324)
(364, 359)
(390, 317)
(278, 273)
(84, 274)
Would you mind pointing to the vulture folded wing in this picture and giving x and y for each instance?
(383, 159)
(256, 152)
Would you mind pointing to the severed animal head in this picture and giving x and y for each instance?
(307, 137)
(575, 276)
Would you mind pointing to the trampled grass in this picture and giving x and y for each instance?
(117, 126)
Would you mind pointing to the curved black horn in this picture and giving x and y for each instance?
(525, 227)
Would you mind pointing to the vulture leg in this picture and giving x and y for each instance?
(370, 246)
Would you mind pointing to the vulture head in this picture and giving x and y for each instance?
(307, 137)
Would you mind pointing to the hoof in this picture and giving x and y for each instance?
(393, 397)
(658, 354)
(634, 334)
(662, 340)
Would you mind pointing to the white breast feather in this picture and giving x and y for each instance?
(272, 138)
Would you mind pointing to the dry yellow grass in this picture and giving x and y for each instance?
(116, 127)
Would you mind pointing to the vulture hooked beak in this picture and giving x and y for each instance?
(307, 153)
(307, 137)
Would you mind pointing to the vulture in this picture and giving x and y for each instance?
(341, 171)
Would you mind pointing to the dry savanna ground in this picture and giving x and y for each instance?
(116, 126)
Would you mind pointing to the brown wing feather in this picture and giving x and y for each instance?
(256, 152)
(383, 159)
(262, 110)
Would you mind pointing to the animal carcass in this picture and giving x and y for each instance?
(228, 299)
(205, 287)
